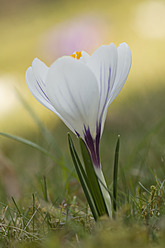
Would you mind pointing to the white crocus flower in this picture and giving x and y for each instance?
(79, 89)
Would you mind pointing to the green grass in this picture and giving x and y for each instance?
(42, 222)
(140, 206)
(141, 192)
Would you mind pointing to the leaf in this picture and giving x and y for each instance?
(44, 189)
(83, 178)
(93, 181)
(115, 174)
(29, 143)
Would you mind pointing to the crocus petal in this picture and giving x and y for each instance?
(40, 70)
(103, 63)
(85, 57)
(37, 91)
(123, 68)
(73, 91)
(35, 78)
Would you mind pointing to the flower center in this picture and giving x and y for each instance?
(76, 55)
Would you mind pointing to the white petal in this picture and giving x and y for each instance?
(40, 70)
(103, 63)
(85, 57)
(73, 91)
(37, 91)
(37, 86)
(123, 68)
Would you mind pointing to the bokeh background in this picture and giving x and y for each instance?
(49, 29)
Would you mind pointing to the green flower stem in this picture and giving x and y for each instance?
(104, 190)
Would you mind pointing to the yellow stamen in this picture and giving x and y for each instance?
(73, 55)
(78, 55)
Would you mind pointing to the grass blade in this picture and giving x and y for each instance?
(93, 181)
(83, 178)
(33, 210)
(115, 174)
(29, 143)
(16, 206)
(44, 188)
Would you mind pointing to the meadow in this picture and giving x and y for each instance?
(41, 200)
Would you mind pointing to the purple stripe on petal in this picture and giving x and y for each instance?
(78, 135)
(93, 146)
(98, 135)
(42, 90)
(39, 91)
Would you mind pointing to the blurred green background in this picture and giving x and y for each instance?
(49, 29)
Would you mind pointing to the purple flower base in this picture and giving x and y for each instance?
(93, 145)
